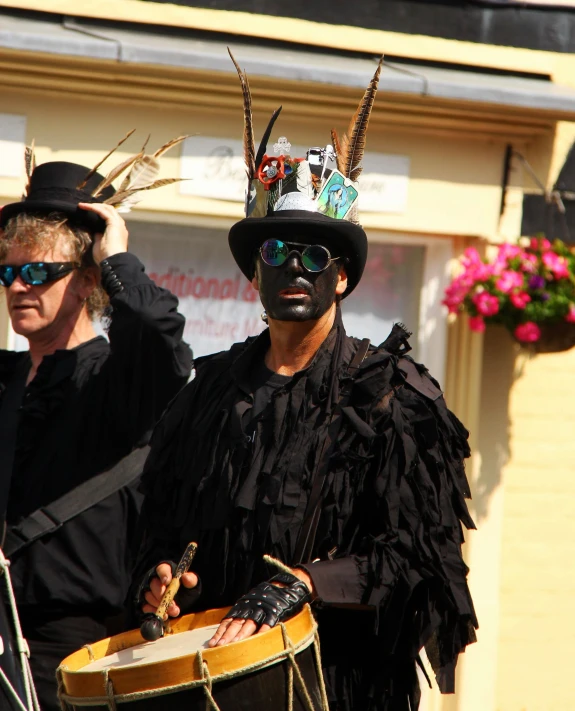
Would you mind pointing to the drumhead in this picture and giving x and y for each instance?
(169, 647)
(132, 666)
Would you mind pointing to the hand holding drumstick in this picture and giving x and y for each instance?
(163, 588)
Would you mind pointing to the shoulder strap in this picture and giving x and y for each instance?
(306, 538)
(48, 519)
(419, 379)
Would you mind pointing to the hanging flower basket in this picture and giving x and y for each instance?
(529, 288)
(554, 338)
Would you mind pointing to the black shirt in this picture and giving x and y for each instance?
(86, 408)
(264, 383)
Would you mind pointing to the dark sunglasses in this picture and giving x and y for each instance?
(35, 273)
(314, 258)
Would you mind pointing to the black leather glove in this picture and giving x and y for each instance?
(268, 604)
(185, 598)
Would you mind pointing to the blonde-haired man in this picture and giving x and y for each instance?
(75, 409)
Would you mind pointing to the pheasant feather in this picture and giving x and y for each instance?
(337, 148)
(30, 163)
(355, 148)
(170, 144)
(249, 145)
(95, 168)
(144, 172)
(30, 159)
(160, 183)
(122, 197)
(115, 173)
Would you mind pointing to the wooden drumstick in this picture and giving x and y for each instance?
(153, 626)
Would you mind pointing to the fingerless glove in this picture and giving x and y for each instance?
(268, 604)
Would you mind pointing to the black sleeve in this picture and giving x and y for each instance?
(407, 563)
(340, 582)
(149, 361)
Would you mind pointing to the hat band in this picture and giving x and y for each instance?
(48, 194)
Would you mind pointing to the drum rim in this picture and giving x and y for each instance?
(155, 678)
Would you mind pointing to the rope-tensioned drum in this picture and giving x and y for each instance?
(31, 701)
(202, 678)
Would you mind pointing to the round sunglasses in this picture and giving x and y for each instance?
(35, 273)
(314, 258)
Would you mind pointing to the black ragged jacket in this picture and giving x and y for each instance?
(391, 515)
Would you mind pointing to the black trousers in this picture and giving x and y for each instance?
(50, 641)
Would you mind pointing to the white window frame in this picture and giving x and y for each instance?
(432, 333)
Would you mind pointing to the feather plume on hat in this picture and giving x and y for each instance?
(143, 170)
(351, 148)
(30, 165)
(249, 144)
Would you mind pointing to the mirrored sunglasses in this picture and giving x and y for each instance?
(35, 273)
(314, 258)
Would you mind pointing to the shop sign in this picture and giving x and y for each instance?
(214, 168)
(384, 183)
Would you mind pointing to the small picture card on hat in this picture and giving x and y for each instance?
(337, 196)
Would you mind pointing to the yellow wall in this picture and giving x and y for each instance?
(526, 486)
(537, 629)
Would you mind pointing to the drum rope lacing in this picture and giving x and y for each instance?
(88, 648)
(207, 681)
(21, 646)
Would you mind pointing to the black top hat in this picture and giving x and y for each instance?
(53, 187)
(309, 199)
(342, 238)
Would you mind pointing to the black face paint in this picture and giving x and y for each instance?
(291, 293)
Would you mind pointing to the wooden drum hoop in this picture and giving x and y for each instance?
(199, 668)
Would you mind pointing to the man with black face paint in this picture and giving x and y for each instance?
(335, 457)
(288, 293)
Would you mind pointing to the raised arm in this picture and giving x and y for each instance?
(149, 361)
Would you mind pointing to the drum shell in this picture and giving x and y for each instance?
(264, 690)
(156, 687)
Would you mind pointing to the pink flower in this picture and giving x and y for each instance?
(570, 318)
(476, 273)
(519, 299)
(487, 304)
(529, 263)
(456, 292)
(556, 264)
(540, 243)
(505, 254)
(471, 256)
(475, 268)
(509, 251)
(509, 280)
(528, 332)
(477, 324)
(452, 304)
